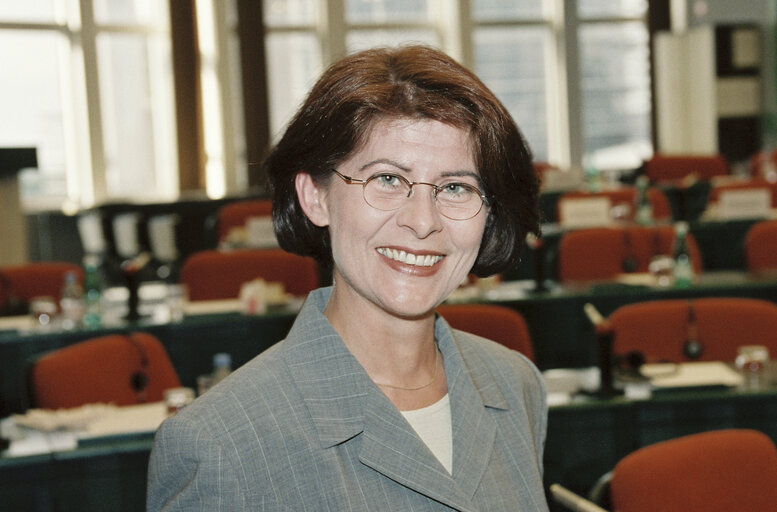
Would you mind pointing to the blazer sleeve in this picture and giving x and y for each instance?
(189, 471)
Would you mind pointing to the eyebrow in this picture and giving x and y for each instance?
(444, 174)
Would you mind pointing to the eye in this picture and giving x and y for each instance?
(457, 191)
(387, 180)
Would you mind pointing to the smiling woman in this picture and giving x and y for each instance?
(404, 173)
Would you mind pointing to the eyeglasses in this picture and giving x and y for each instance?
(387, 191)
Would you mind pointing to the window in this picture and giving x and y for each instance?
(95, 99)
(574, 73)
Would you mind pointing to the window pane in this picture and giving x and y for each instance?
(363, 39)
(278, 13)
(131, 12)
(31, 107)
(137, 114)
(385, 11)
(499, 10)
(616, 92)
(511, 63)
(293, 64)
(30, 10)
(611, 8)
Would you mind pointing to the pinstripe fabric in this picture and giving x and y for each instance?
(302, 428)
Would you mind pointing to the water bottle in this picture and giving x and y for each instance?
(71, 301)
(643, 210)
(93, 293)
(222, 367)
(683, 267)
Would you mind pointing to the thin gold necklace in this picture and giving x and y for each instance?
(434, 376)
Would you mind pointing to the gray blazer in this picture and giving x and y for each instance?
(302, 427)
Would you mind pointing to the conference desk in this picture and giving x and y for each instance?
(560, 331)
(190, 344)
(721, 244)
(584, 441)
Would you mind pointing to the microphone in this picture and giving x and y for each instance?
(692, 348)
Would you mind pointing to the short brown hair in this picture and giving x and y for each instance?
(413, 82)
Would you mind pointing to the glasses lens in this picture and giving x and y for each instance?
(459, 200)
(386, 191)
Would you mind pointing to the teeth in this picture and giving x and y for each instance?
(410, 258)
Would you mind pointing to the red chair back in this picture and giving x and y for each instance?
(660, 329)
(662, 168)
(717, 471)
(761, 247)
(107, 369)
(497, 323)
(213, 274)
(598, 254)
(233, 215)
(36, 279)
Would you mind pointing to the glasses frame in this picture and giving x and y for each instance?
(349, 180)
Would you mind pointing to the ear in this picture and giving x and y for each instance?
(312, 199)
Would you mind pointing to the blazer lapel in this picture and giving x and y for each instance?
(391, 447)
(473, 393)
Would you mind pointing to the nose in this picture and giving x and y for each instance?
(419, 212)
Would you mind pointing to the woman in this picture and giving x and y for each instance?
(406, 174)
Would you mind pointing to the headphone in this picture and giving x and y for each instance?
(629, 263)
(139, 378)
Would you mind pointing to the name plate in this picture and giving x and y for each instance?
(746, 203)
(579, 212)
(260, 233)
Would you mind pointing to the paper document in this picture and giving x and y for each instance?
(707, 373)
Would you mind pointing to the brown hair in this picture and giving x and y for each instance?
(415, 82)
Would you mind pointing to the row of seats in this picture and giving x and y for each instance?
(136, 368)
(595, 254)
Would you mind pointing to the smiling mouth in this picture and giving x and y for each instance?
(408, 258)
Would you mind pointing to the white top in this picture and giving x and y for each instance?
(433, 426)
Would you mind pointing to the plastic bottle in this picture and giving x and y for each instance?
(222, 367)
(683, 267)
(71, 301)
(92, 296)
(644, 210)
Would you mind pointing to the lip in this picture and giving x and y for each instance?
(418, 270)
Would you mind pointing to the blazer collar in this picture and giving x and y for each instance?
(344, 402)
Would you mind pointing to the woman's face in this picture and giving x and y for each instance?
(405, 261)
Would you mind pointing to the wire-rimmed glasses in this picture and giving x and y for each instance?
(387, 191)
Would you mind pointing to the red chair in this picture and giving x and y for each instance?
(600, 254)
(717, 471)
(35, 279)
(662, 210)
(761, 247)
(497, 323)
(123, 369)
(668, 168)
(234, 215)
(213, 274)
(661, 329)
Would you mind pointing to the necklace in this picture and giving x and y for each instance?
(422, 386)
